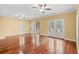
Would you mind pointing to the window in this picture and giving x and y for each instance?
(56, 28)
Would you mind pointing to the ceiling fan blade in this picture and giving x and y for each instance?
(45, 5)
(47, 9)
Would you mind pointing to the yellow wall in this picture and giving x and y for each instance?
(70, 24)
(10, 26)
(1, 28)
(27, 26)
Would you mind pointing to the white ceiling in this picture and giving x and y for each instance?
(31, 13)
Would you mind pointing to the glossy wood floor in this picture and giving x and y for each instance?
(10, 45)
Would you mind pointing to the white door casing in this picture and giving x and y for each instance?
(77, 30)
(56, 28)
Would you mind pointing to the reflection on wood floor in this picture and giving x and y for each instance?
(10, 45)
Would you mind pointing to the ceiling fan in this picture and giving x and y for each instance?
(42, 8)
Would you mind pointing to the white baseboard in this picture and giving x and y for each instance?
(63, 38)
(12, 34)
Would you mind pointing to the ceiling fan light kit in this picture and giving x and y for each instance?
(42, 8)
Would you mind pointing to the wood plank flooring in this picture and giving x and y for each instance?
(10, 45)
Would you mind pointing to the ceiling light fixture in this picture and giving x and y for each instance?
(42, 7)
(21, 16)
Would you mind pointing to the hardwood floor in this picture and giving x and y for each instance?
(70, 47)
(10, 45)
